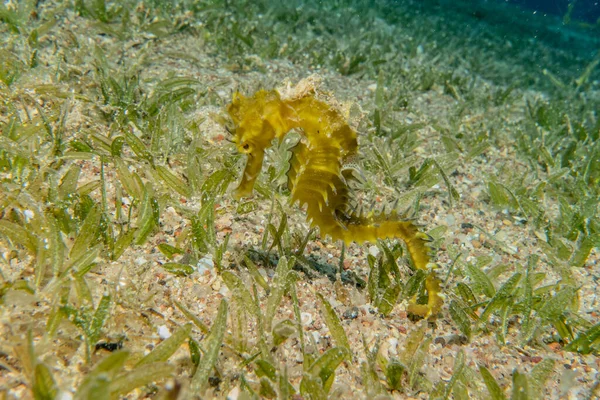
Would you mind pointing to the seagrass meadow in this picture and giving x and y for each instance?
(130, 269)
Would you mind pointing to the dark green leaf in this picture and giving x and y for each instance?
(165, 349)
(168, 250)
(461, 318)
(256, 275)
(44, 386)
(194, 352)
(417, 362)
(83, 264)
(389, 299)
(68, 184)
(18, 235)
(139, 377)
(282, 331)
(373, 283)
(116, 146)
(480, 281)
(415, 337)
(87, 234)
(278, 287)
(212, 345)
(586, 342)
(123, 242)
(199, 324)
(100, 376)
(99, 318)
(146, 219)
(267, 390)
(459, 366)
(582, 253)
(178, 269)
(246, 207)
(494, 389)
(324, 367)
(216, 184)
(556, 305)
(265, 368)
(138, 147)
(56, 245)
(414, 284)
(503, 297)
(333, 323)
(238, 288)
(466, 294)
(528, 324)
(311, 387)
(394, 372)
(126, 177)
(520, 386)
(172, 181)
(538, 377)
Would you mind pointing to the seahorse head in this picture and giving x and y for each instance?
(250, 115)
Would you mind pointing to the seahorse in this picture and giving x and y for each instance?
(317, 177)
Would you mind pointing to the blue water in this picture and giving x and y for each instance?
(516, 40)
(546, 21)
(583, 10)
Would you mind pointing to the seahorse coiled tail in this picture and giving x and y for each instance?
(316, 177)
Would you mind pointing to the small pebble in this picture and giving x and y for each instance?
(163, 332)
(140, 261)
(306, 318)
(234, 394)
(374, 251)
(28, 215)
(64, 396)
(351, 313)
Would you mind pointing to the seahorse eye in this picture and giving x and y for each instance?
(245, 147)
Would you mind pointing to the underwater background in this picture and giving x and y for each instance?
(130, 269)
(583, 10)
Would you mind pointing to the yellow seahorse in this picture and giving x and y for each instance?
(317, 178)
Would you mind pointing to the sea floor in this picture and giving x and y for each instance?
(470, 229)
